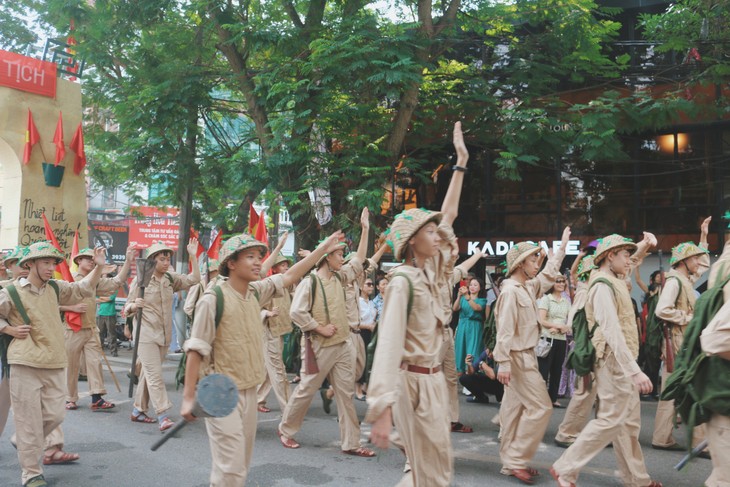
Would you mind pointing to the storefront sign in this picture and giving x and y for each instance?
(114, 237)
(501, 247)
(148, 225)
(27, 74)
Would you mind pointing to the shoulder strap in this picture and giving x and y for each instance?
(169, 278)
(312, 292)
(18, 303)
(54, 285)
(410, 290)
(219, 303)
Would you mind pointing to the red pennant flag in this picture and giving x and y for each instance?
(75, 251)
(215, 246)
(261, 234)
(72, 319)
(58, 140)
(77, 145)
(253, 220)
(31, 138)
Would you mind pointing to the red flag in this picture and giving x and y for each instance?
(199, 251)
(72, 319)
(77, 145)
(31, 138)
(58, 140)
(253, 220)
(75, 251)
(261, 233)
(215, 246)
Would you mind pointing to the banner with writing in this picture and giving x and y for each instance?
(148, 224)
(27, 74)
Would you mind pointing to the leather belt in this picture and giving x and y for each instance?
(420, 370)
(355, 330)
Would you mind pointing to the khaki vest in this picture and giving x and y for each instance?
(281, 325)
(45, 347)
(625, 312)
(237, 349)
(685, 302)
(336, 307)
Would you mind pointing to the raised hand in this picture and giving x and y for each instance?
(462, 154)
(193, 248)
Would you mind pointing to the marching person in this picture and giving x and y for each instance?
(37, 352)
(319, 309)
(676, 303)
(407, 386)
(209, 274)
(86, 339)
(518, 330)
(618, 378)
(232, 347)
(156, 333)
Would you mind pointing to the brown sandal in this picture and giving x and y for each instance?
(360, 452)
(460, 428)
(557, 477)
(655, 483)
(263, 409)
(287, 442)
(60, 457)
(142, 418)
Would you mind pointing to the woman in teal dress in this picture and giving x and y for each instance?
(471, 305)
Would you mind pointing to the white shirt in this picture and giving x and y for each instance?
(368, 311)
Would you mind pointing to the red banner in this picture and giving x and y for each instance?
(27, 74)
(148, 225)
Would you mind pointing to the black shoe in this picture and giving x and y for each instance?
(326, 401)
(674, 447)
(479, 400)
(704, 454)
(563, 444)
(83, 378)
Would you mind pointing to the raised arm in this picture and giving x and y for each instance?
(574, 267)
(269, 262)
(298, 270)
(450, 206)
(362, 248)
(128, 258)
(639, 281)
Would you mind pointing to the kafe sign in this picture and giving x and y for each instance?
(501, 247)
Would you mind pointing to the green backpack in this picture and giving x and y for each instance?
(583, 356)
(654, 336)
(700, 384)
(489, 331)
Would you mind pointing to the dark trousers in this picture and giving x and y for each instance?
(480, 385)
(551, 367)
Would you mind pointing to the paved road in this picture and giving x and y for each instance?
(115, 452)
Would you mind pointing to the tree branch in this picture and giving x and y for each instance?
(292, 13)
(424, 17)
(449, 16)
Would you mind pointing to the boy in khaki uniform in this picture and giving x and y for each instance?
(232, 348)
(37, 353)
(324, 318)
(86, 340)
(156, 333)
(618, 378)
(518, 331)
(407, 386)
(675, 307)
(715, 340)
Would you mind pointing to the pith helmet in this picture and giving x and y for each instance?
(87, 252)
(684, 251)
(41, 250)
(406, 225)
(612, 242)
(13, 255)
(518, 253)
(236, 244)
(156, 248)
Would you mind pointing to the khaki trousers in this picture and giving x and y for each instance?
(418, 414)
(578, 412)
(664, 421)
(361, 354)
(337, 363)
(37, 397)
(618, 420)
(718, 435)
(448, 364)
(231, 442)
(528, 410)
(87, 341)
(4, 402)
(275, 371)
(151, 384)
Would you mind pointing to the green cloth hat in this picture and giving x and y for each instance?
(156, 248)
(585, 266)
(405, 225)
(87, 252)
(685, 250)
(610, 243)
(13, 255)
(236, 244)
(40, 250)
(518, 253)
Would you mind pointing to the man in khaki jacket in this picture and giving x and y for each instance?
(86, 340)
(37, 352)
(518, 331)
(675, 307)
(618, 378)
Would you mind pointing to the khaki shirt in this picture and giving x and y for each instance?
(516, 311)
(157, 312)
(45, 346)
(674, 307)
(234, 347)
(106, 287)
(715, 337)
(281, 324)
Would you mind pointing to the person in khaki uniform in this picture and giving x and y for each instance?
(407, 386)
(518, 331)
(581, 404)
(277, 323)
(86, 339)
(321, 313)
(618, 378)
(675, 306)
(209, 273)
(232, 348)
(37, 354)
(156, 333)
(715, 340)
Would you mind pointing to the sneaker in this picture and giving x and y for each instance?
(466, 391)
